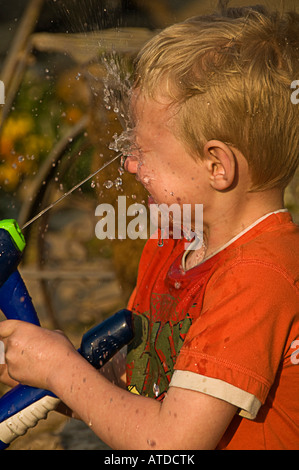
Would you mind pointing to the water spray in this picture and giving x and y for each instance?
(70, 191)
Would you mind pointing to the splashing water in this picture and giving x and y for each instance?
(117, 87)
(118, 182)
(117, 91)
(116, 97)
(123, 143)
(121, 170)
(87, 15)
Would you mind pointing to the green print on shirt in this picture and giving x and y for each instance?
(152, 354)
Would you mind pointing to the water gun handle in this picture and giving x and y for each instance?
(23, 406)
(18, 423)
(15, 301)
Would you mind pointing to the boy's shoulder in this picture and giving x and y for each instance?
(273, 244)
(276, 241)
(259, 271)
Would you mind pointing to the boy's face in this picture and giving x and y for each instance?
(159, 159)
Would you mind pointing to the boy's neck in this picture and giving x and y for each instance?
(223, 225)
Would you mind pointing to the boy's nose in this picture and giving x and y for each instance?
(131, 164)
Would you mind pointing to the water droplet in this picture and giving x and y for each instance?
(118, 182)
(108, 184)
(151, 442)
(156, 389)
(160, 242)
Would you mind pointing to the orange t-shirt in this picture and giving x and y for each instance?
(228, 328)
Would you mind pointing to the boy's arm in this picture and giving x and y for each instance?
(185, 420)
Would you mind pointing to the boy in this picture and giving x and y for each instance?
(213, 363)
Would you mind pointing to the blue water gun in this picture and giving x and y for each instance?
(22, 407)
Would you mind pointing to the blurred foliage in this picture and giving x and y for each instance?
(37, 120)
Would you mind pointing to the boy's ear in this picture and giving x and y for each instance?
(221, 164)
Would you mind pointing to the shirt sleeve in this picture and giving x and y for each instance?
(234, 348)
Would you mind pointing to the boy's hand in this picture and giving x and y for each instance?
(32, 353)
(5, 378)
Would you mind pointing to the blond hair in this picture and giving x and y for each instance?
(230, 77)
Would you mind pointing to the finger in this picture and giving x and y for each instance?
(2, 353)
(61, 333)
(5, 378)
